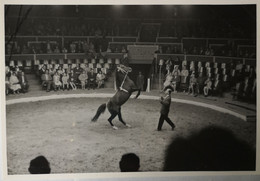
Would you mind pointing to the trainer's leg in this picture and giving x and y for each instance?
(161, 120)
(121, 119)
(113, 115)
(167, 119)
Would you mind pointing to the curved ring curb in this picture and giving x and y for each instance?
(102, 95)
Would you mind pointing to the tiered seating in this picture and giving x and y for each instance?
(236, 78)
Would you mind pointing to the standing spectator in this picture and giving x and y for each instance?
(100, 79)
(23, 82)
(83, 78)
(140, 81)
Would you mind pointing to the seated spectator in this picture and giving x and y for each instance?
(91, 79)
(217, 87)
(168, 80)
(83, 78)
(211, 149)
(7, 83)
(175, 81)
(192, 85)
(52, 71)
(168, 64)
(201, 80)
(77, 70)
(124, 49)
(47, 80)
(246, 88)
(39, 165)
(60, 71)
(72, 80)
(14, 83)
(129, 162)
(23, 82)
(65, 81)
(64, 50)
(56, 81)
(100, 78)
(207, 86)
(56, 50)
(184, 76)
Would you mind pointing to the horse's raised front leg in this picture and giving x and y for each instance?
(113, 115)
(121, 119)
(136, 89)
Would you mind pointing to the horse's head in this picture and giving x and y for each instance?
(124, 69)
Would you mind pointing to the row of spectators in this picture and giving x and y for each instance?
(100, 45)
(72, 27)
(83, 27)
(70, 78)
(214, 79)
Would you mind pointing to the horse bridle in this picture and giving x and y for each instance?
(126, 73)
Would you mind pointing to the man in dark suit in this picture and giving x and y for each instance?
(23, 82)
(91, 79)
(165, 107)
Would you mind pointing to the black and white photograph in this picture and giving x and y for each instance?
(136, 88)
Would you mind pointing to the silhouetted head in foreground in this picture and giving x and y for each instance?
(129, 162)
(211, 149)
(39, 165)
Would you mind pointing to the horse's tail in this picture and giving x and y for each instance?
(100, 110)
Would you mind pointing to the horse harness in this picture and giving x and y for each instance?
(121, 86)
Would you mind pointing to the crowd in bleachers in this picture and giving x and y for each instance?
(73, 76)
(103, 28)
(72, 27)
(196, 77)
(61, 74)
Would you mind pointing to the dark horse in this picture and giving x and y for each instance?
(125, 88)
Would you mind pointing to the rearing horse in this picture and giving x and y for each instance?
(125, 88)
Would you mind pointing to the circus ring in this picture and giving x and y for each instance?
(59, 127)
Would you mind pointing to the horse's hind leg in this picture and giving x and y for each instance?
(121, 119)
(113, 115)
